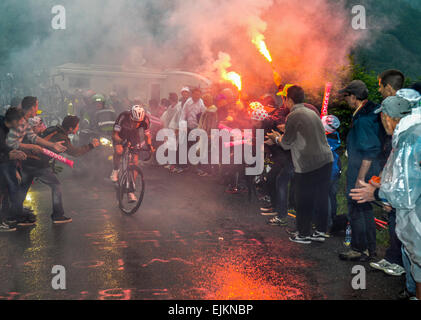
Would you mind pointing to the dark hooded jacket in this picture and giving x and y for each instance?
(56, 134)
(364, 142)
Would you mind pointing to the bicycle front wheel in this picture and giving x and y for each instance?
(131, 188)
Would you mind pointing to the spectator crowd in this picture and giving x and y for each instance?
(302, 162)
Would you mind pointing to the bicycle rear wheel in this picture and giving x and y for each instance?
(130, 181)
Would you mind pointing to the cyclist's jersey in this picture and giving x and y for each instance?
(124, 125)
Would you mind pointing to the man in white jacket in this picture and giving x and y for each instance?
(174, 121)
(192, 110)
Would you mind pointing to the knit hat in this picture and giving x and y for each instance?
(255, 106)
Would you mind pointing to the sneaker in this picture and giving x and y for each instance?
(267, 208)
(316, 236)
(269, 213)
(132, 197)
(200, 172)
(292, 232)
(5, 227)
(277, 222)
(265, 199)
(352, 255)
(25, 221)
(114, 176)
(11, 221)
(298, 239)
(395, 270)
(172, 169)
(232, 190)
(178, 170)
(30, 215)
(322, 234)
(405, 295)
(382, 265)
(62, 219)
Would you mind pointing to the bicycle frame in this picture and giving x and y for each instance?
(127, 175)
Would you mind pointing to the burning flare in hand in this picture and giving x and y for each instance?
(234, 78)
(106, 142)
(222, 64)
(259, 41)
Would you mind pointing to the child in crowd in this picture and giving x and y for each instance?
(331, 124)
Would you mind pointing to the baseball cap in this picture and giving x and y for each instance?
(283, 92)
(185, 89)
(357, 88)
(395, 107)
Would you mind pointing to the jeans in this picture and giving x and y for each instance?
(410, 284)
(8, 172)
(363, 227)
(394, 252)
(312, 191)
(48, 177)
(281, 190)
(333, 204)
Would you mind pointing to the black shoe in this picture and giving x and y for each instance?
(25, 221)
(29, 215)
(11, 221)
(5, 227)
(353, 255)
(372, 256)
(405, 295)
(316, 236)
(62, 219)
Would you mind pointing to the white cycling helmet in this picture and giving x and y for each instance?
(138, 113)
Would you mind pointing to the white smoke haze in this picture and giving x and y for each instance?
(309, 40)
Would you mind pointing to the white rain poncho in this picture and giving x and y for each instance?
(401, 183)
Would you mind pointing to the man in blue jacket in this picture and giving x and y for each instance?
(364, 146)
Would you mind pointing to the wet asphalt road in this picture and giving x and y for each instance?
(189, 240)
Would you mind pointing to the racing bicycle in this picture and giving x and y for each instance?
(131, 177)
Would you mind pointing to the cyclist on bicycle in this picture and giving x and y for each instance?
(127, 128)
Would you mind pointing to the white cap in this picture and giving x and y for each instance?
(185, 89)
